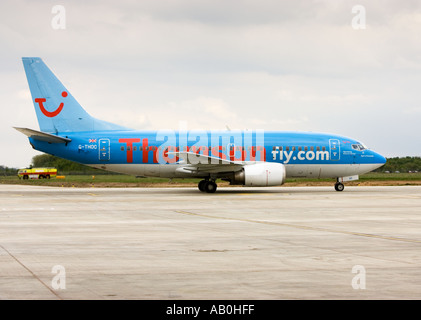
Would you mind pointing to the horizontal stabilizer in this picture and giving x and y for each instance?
(43, 136)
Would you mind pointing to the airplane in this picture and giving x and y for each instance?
(252, 158)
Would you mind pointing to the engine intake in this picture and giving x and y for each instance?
(262, 174)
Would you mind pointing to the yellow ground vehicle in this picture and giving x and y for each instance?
(37, 173)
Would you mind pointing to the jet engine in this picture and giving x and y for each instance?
(261, 174)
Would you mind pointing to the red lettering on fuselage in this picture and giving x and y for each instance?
(219, 154)
(169, 159)
(129, 147)
(146, 149)
(243, 154)
(262, 153)
(217, 151)
(196, 150)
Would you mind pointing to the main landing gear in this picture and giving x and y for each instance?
(208, 186)
(339, 186)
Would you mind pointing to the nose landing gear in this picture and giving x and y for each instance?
(339, 186)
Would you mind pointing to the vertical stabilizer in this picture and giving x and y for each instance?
(57, 110)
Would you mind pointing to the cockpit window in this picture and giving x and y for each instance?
(359, 147)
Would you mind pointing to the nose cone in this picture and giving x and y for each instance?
(380, 158)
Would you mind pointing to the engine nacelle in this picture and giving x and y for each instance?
(261, 174)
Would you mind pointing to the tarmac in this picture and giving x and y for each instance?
(239, 243)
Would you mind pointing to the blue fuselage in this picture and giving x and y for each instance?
(303, 154)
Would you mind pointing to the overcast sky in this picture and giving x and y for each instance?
(267, 64)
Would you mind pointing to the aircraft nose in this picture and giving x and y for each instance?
(379, 158)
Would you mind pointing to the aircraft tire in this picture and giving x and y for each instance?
(202, 185)
(210, 187)
(339, 186)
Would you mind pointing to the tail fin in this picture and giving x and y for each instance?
(56, 109)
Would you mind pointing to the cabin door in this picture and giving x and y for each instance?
(104, 149)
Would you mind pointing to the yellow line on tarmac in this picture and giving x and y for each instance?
(368, 235)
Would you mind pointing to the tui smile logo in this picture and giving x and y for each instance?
(49, 114)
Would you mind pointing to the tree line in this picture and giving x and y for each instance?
(6, 171)
(401, 164)
(63, 166)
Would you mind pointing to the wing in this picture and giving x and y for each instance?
(198, 163)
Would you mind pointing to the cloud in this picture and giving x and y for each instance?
(291, 65)
(200, 113)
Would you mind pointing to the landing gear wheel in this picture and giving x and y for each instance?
(210, 187)
(339, 186)
(202, 185)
